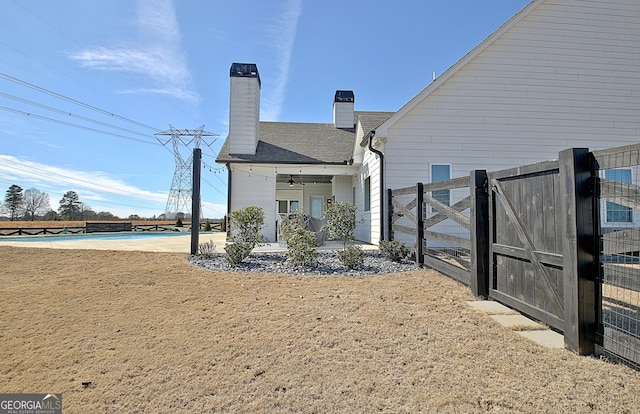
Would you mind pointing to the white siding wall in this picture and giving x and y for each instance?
(244, 115)
(255, 186)
(368, 228)
(567, 75)
(342, 188)
(343, 115)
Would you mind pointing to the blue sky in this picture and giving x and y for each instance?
(85, 85)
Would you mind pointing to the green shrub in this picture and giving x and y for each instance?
(245, 225)
(207, 249)
(351, 257)
(341, 222)
(290, 225)
(237, 252)
(394, 250)
(300, 247)
(179, 222)
(207, 226)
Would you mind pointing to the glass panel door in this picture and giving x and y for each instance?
(316, 207)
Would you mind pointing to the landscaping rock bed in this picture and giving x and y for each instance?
(328, 264)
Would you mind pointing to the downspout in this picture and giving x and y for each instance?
(228, 196)
(381, 155)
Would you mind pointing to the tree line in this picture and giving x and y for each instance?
(33, 204)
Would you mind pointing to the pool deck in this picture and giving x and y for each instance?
(176, 244)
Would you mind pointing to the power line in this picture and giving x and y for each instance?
(78, 43)
(47, 23)
(63, 112)
(57, 121)
(74, 101)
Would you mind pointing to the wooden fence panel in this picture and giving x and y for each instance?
(536, 245)
(526, 260)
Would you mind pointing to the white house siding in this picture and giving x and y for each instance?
(342, 188)
(368, 228)
(566, 75)
(244, 115)
(262, 184)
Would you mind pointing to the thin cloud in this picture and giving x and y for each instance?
(281, 36)
(157, 56)
(36, 174)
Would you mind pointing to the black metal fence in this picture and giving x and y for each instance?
(619, 203)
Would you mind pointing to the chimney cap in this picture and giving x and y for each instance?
(244, 70)
(344, 96)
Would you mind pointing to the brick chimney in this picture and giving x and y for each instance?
(343, 116)
(244, 108)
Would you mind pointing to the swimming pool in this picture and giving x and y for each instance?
(93, 236)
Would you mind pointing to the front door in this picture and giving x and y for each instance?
(316, 207)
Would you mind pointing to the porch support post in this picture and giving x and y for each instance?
(389, 214)
(479, 187)
(580, 250)
(195, 200)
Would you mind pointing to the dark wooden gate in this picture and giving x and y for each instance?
(525, 252)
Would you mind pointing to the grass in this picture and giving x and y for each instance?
(149, 333)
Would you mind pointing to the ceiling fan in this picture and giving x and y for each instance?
(292, 182)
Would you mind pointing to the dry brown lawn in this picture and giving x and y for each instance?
(149, 333)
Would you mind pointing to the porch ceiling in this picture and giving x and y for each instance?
(304, 178)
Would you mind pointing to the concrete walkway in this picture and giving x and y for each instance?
(520, 324)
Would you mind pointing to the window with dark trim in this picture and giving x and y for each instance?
(367, 194)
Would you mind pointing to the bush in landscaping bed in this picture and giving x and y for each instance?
(351, 257)
(394, 250)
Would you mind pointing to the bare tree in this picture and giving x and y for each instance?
(86, 212)
(35, 203)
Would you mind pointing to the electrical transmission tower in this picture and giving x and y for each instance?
(180, 195)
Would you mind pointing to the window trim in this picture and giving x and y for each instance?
(288, 201)
(448, 192)
(367, 194)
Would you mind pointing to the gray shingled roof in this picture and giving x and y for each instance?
(372, 120)
(304, 143)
